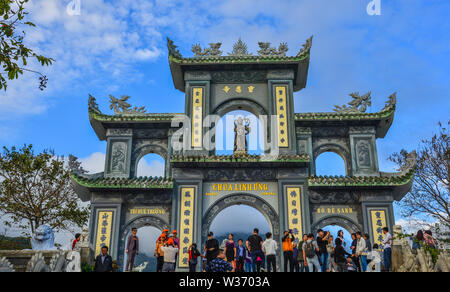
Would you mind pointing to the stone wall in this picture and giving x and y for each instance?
(43, 260)
(21, 258)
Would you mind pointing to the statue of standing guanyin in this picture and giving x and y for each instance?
(241, 130)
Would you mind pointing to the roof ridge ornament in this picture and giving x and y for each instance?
(122, 107)
(359, 103)
(410, 162)
(173, 49)
(240, 49)
(213, 50)
(306, 47)
(391, 102)
(93, 105)
(266, 50)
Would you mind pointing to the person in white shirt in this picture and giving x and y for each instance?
(387, 242)
(269, 248)
(361, 251)
(375, 256)
(170, 252)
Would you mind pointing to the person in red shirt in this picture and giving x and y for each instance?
(76, 240)
(194, 254)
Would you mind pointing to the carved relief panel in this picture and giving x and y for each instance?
(118, 157)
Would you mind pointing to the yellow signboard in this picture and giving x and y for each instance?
(334, 210)
(197, 117)
(240, 187)
(378, 222)
(294, 210)
(147, 211)
(104, 228)
(186, 224)
(281, 102)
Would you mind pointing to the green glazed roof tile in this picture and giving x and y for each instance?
(129, 183)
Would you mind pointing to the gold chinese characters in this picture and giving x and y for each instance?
(238, 88)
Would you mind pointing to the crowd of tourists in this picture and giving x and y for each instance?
(320, 253)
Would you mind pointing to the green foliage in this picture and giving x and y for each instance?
(87, 268)
(14, 243)
(35, 189)
(429, 195)
(14, 54)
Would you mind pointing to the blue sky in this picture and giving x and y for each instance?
(119, 47)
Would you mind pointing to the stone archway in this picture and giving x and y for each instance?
(240, 104)
(149, 148)
(138, 223)
(344, 222)
(243, 104)
(244, 199)
(340, 150)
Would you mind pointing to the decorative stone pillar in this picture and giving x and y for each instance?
(282, 97)
(304, 145)
(197, 108)
(397, 256)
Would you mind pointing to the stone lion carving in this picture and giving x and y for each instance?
(5, 266)
(37, 264)
(73, 261)
(58, 262)
(43, 238)
(442, 263)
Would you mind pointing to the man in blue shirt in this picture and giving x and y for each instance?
(218, 264)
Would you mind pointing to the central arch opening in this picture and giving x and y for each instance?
(334, 229)
(150, 165)
(145, 261)
(331, 164)
(240, 220)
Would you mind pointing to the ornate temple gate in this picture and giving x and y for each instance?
(198, 184)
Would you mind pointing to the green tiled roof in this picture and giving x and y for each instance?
(385, 113)
(361, 181)
(148, 117)
(120, 183)
(175, 56)
(238, 59)
(239, 158)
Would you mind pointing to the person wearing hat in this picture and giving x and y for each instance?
(211, 247)
(170, 251)
(165, 233)
(159, 253)
(132, 249)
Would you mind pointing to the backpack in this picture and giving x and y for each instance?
(309, 250)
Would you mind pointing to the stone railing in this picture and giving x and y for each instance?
(406, 260)
(42, 260)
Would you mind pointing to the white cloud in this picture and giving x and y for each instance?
(94, 163)
(411, 226)
(100, 46)
(150, 167)
(239, 218)
(146, 54)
